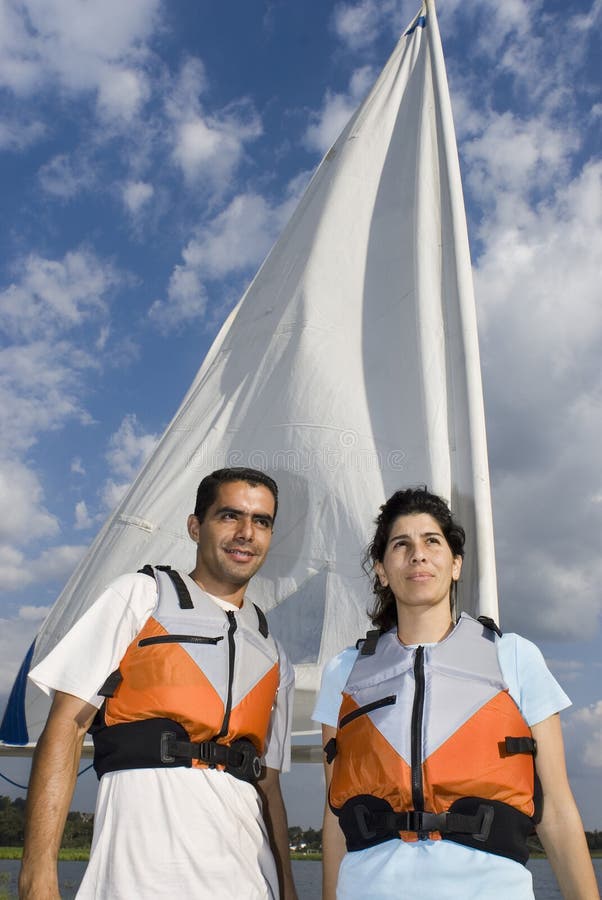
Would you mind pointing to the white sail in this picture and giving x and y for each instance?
(349, 368)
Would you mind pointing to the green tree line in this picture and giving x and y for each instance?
(77, 834)
(78, 830)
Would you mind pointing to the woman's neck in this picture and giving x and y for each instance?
(422, 625)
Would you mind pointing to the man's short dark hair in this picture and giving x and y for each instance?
(207, 490)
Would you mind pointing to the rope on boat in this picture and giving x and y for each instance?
(24, 787)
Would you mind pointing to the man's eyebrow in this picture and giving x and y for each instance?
(241, 512)
(423, 534)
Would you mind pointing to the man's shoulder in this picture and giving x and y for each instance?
(132, 589)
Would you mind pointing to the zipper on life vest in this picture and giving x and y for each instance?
(231, 654)
(179, 639)
(417, 717)
(369, 707)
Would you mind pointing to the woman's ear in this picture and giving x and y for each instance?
(380, 573)
(456, 568)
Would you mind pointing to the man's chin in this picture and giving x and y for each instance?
(241, 574)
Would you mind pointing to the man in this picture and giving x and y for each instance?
(189, 700)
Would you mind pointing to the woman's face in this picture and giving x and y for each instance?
(418, 564)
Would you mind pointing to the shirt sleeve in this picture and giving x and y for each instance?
(277, 753)
(334, 679)
(530, 682)
(93, 648)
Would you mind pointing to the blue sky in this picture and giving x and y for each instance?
(151, 154)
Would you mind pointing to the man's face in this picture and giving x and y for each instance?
(234, 537)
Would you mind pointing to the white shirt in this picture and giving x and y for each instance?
(443, 870)
(185, 832)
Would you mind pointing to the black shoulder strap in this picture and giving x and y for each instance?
(182, 591)
(111, 684)
(184, 598)
(368, 645)
(262, 622)
(489, 623)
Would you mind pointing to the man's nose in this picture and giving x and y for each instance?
(244, 528)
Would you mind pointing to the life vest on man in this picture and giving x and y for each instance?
(431, 744)
(195, 687)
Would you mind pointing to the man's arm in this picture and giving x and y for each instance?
(561, 830)
(51, 785)
(274, 815)
(333, 840)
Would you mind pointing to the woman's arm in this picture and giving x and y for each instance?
(561, 830)
(333, 840)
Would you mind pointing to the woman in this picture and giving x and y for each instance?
(435, 739)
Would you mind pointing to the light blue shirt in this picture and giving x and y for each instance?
(442, 870)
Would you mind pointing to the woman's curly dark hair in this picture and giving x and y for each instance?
(411, 501)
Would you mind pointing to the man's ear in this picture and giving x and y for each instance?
(193, 526)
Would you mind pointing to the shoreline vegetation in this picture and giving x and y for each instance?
(304, 843)
(82, 854)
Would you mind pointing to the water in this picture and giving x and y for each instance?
(308, 876)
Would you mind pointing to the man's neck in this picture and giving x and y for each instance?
(234, 593)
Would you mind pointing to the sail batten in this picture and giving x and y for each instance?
(348, 369)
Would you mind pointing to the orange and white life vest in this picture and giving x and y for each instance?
(431, 744)
(210, 674)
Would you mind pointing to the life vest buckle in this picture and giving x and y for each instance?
(487, 813)
(362, 817)
(167, 739)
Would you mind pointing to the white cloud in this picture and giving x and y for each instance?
(207, 147)
(51, 295)
(136, 194)
(57, 563)
(64, 176)
(17, 135)
(16, 635)
(23, 516)
(33, 613)
(186, 300)
(77, 467)
(121, 93)
(82, 47)
(358, 25)
(336, 111)
(589, 723)
(235, 241)
(113, 492)
(82, 517)
(537, 286)
(516, 156)
(129, 447)
(17, 571)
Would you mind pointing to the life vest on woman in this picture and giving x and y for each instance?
(431, 744)
(195, 687)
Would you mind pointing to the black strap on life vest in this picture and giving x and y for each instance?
(473, 821)
(262, 622)
(330, 749)
(367, 645)
(490, 623)
(185, 600)
(164, 743)
(514, 745)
